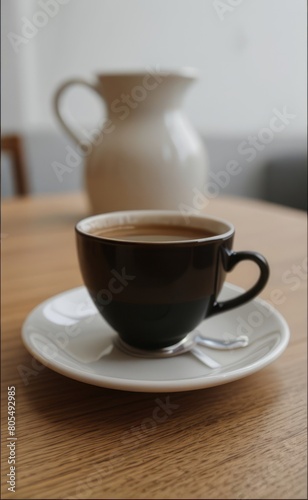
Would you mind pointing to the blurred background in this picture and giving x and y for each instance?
(251, 55)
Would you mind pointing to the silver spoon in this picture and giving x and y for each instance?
(222, 345)
(188, 344)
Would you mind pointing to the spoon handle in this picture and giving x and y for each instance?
(223, 345)
(204, 358)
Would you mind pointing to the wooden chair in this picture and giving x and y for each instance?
(12, 144)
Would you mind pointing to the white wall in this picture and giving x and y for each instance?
(250, 61)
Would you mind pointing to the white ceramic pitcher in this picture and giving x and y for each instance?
(147, 155)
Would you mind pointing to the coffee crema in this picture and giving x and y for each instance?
(152, 233)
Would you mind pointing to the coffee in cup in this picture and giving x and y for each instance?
(153, 233)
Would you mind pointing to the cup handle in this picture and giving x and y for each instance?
(230, 260)
(60, 113)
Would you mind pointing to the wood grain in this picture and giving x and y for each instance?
(246, 439)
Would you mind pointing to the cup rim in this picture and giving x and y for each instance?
(84, 226)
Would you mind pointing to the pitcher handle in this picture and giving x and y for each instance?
(60, 113)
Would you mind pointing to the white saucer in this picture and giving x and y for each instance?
(66, 334)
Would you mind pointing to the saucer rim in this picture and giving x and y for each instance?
(177, 385)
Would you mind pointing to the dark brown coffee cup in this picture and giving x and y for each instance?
(154, 277)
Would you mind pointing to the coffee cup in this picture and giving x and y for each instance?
(154, 275)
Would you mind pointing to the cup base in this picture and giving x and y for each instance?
(164, 352)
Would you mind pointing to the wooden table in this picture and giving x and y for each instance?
(245, 439)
